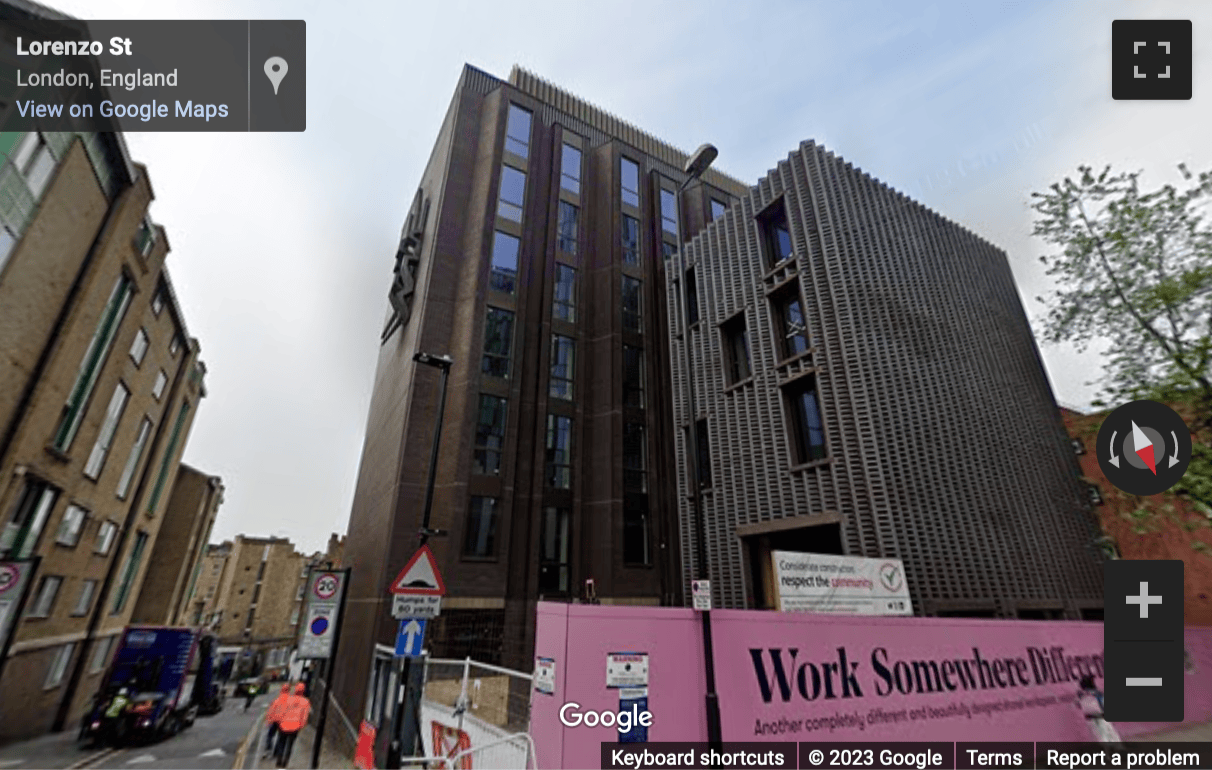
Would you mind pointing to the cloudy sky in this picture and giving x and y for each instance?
(282, 244)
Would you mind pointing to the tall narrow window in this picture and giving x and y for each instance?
(132, 460)
(34, 160)
(667, 250)
(513, 193)
(637, 540)
(563, 355)
(717, 209)
(84, 601)
(481, 528)
(490, 435)
(703, 453)
(58, 666)
(633, 377)
(792, 327)
(736, 345)
(777, 234)
(669, 212)
(24, 527)
(807, 431)
(553, 551)
(517, 131)
(564, 305)
(70, 526)
(567, 227)
(632, 305)
(129, 569)
(498, 340)
(635, 458)
(631, 240)
(169, 459)
(158, 386)
(117, 405)
(692, 297)
(105, 537)
(504, 276)
(44, 600)
(90, 366)
(157, 303)
(559, 451)
(570, 169)
(145, 238)
(629, 177)
(101, 651)
(139, 347)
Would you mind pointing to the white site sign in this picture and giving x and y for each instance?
(841, 585)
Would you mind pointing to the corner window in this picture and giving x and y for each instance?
(703, 453)
(158, 387)
(777, 234)
(490, 435)
(481, 528)
(804, 411)
(517, 131)
(563, 355)
(633, 377)
(692, 298)
(566, 227)
(632, 305)
(504, 275)
(85, 601)
(637, 539)
(790, 323)
(105, 537)
(139, 347)
(631, 240)
(635, 458)
(564, 305)
(44, 600)
(113, 414)
(553, 551)
(629, 178)
(21, 533)
(736, 344)
(570, 169)
(513, 193)
(559, 451)
(669, 212)
(498, 339)
(70, 526)
(717, 209)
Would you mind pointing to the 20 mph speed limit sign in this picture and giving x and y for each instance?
(321, 613)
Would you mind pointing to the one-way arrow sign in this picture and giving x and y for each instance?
(410, 637)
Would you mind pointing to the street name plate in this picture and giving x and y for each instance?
(407, 606)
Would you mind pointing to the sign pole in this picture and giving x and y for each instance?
(329, 670)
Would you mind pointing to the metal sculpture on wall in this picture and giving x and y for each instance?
(403, 284)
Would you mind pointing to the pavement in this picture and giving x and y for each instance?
(253, 754)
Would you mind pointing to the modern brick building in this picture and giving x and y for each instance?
(868, 384)
(534, 256)
(176, 560)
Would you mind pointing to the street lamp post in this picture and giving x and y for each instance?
(395, 748)
(695, 166)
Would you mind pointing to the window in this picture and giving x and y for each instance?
(157, 303)
(637, 544)
(717, 209)
(631, 240)
(132, 460)
(633, 377)
(559, 451)
(90, 366)
(517, 131)
(669, 212)
(692, 297)
(85, 601)
(703, 453)
(58, 666)
(145, 238)
(44, 601)
(777, 234)
(20, 535)
(168, 460)
(481, 528)
(298, 594)
(129, 570)
(294, 616)
(632, 304)
(105, 537)
(34, 160)
(635, 458)
(139, 347)
(668, 250)
(71, 525)
(101, 651)
(158, 388)
(490, 435)
(564, 306)
(807, 431)
(567, 227)
(504, 276)
(498, 338)
(174, 346)
(570, 169)
(553, 551)
(736, 345)
(629, 177)
(792, 328)
(563, 361)
(117, 405)
(513, 192)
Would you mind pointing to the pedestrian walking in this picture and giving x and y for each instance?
(273, 715)
(294, 715)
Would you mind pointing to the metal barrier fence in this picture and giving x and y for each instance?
(477, 714)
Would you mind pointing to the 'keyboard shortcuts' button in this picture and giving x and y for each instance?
(1150, 59)
(1143, 641)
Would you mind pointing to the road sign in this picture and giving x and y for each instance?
(702, 594)
(410, 637)
(420, 577)
(405, 606)
(322, 602)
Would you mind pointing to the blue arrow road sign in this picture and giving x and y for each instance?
(410, 637)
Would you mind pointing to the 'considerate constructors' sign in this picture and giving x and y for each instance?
(840, 585)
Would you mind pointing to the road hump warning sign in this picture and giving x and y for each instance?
(420, 577)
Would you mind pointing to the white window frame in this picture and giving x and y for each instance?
(157, 303)
(105, 438)
(136, 455)
(158, 387)
(58, 666)
(138, 348)
(112, 529)
(72, 539)
(84, 602)
(44, 601)
(102, 649)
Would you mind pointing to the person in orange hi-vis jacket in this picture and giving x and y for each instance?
(272, 715)
(294, 715)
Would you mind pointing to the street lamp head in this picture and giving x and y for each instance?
(700, 160)
(441, 362)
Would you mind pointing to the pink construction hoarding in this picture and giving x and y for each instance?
(801, 677)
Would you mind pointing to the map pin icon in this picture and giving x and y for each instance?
(275, 70)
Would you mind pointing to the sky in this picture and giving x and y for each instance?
(283, 244)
